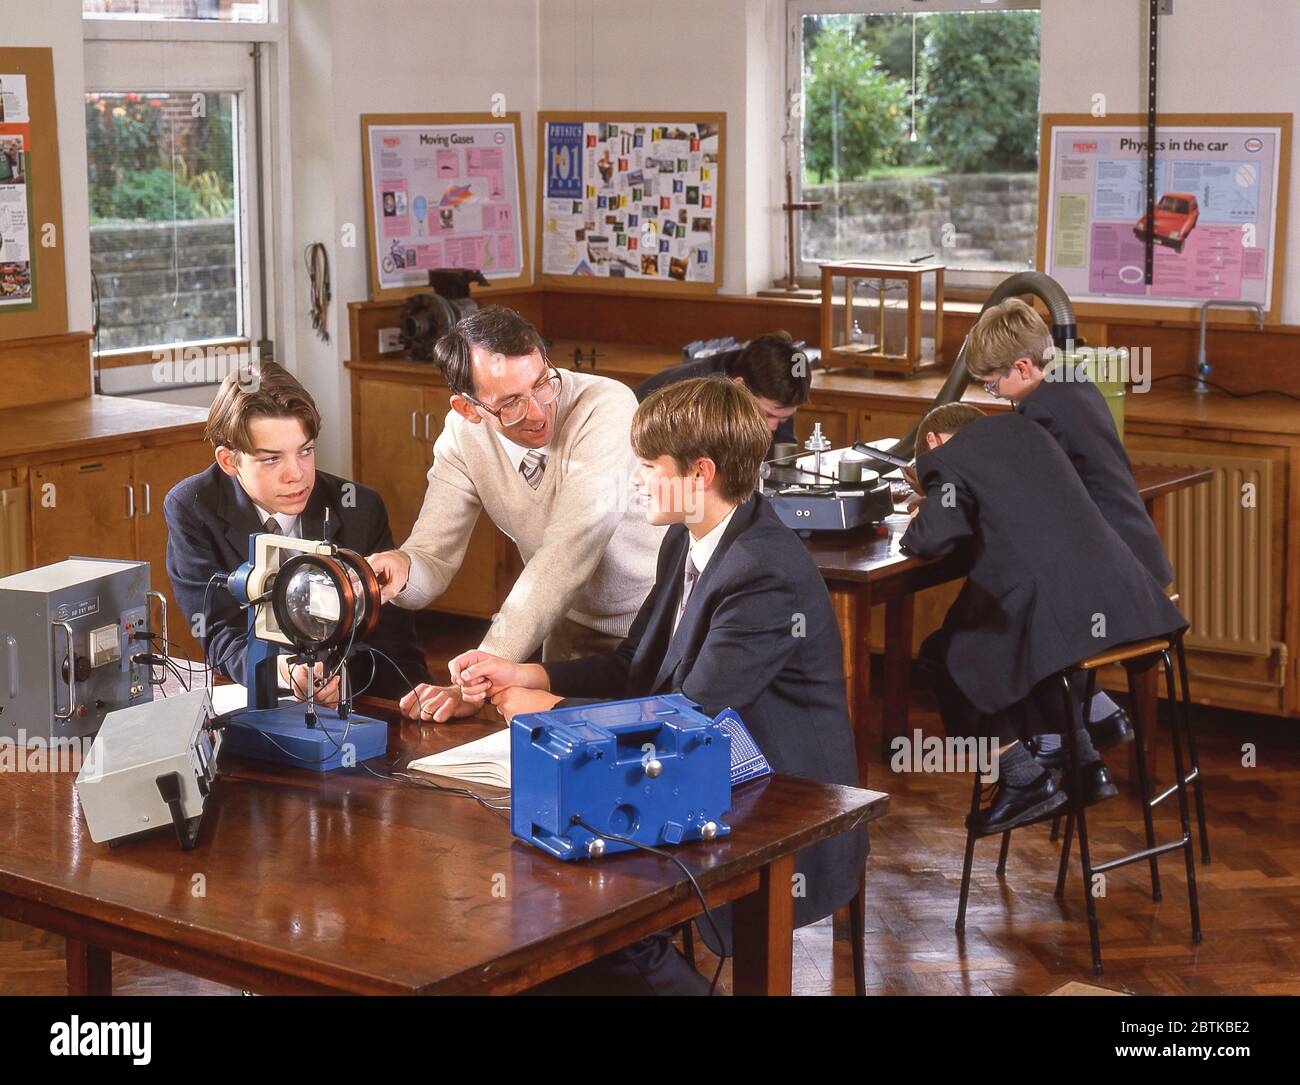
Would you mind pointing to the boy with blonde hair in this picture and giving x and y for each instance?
(1011, 352)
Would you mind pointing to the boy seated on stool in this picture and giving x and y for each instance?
(739, 617)
(1050, 584)
(1012, 353)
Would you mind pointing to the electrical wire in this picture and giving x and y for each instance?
(708, 912)
(1227, 391)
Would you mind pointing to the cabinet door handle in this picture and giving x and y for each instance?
(130, 502)
(427, 416)
(148, 499)
(414, 436)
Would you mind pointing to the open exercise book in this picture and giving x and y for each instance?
(487, 760)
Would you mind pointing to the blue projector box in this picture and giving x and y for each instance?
(655, 770)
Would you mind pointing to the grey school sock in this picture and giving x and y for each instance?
(1017, 767)
(1087, 752)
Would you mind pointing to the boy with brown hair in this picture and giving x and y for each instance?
(263, 427)
(1011, 352)
(738, 617)
(1050, 583)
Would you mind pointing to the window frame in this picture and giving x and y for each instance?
(275, 194)
(960, 284)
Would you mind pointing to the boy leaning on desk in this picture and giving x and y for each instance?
(738, 617)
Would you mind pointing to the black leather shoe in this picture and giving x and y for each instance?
(1114, 730)
(1094, 777)
(1014, 806)
(1095, 780)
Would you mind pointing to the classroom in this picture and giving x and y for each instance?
(721, 498)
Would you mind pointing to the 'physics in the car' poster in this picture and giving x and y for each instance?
(1216, 213)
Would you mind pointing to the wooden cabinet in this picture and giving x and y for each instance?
(390, 454)
(83, 508)
(396, 423)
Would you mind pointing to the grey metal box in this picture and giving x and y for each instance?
(102, 603)
(118, 782)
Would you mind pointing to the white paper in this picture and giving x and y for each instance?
(483, 761)
(13, 99)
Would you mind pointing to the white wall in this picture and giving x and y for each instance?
(1215, 56)
(57, 24)
(385, 56)
(682, 55)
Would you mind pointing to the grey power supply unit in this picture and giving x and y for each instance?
(97, 606)
(151, 767)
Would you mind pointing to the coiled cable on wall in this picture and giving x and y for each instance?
(318, 274)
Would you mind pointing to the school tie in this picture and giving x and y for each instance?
(272, 526)
(692, 575)
(532, 466)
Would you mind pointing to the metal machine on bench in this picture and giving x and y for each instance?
(74, 646)
(594, 779)
(322, 601)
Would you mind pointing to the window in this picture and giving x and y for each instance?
(173, 213)
(165, 230)
(918, 133)
(232, 11)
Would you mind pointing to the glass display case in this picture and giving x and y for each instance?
(882, 316)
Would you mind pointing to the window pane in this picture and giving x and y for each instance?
(164, 217)
(920, 137)
(226, 11)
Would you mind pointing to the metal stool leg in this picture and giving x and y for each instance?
(1065, 857)
(1144, 782)
(857, 935)
(970, 855)
(1197, 790)
(1077, 810)
(1181, 785)
(1002, 855)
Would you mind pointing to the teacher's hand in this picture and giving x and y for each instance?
(480, 675)
(392, 570)
(437, 704)
(510, 702)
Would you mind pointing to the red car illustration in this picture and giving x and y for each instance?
(1176, 215)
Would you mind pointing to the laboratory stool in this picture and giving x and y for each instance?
(1136, 658)
(1193, 776)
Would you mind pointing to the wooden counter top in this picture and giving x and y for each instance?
(1169, 402)
(73, 423)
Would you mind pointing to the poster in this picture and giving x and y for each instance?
(15, 220)
(446, 196)
(1216, 220)
(633, 200)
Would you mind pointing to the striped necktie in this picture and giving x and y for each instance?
(692, 575)
(532, 466)
(272, 526)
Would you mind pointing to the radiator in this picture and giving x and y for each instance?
(13, 531)
(1221, 550)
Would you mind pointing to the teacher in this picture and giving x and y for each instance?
(549, 459)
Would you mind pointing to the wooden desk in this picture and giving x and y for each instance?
(867, 567)
(348, 883)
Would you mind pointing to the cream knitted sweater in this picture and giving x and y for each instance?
(588, 551)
